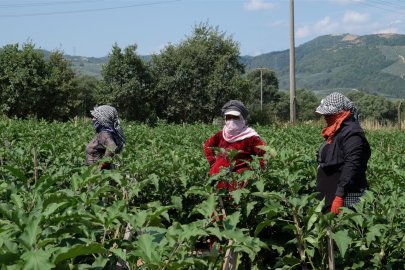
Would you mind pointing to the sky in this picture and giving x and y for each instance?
(90, 27)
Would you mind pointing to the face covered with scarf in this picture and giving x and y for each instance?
(335, 108)
(235, 128)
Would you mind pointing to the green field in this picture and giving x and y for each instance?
(72, 219)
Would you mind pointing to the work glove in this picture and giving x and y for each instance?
(337, 202)
(103, 166)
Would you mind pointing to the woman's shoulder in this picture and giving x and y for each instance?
(218, 134)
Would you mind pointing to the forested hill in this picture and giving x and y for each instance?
(89, 65)
(371, 63)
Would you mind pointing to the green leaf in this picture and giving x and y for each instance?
(146, 244)
(207, 207)
(17, 200)
(269, 207)
(311, 221)
(37, 260)
(176, 201)
(52, 208)
(237, 194)
(342, 240)
(30, 234)
(261, 226)
(249, 207)
(290, 260)
(260, 186)
(74, 182)
(373, 232)
(231, 221)
(16, 172)
(321, 204)
(99, 263)
(120, 253)
(78, 250)
(8, 258)
(215, 231)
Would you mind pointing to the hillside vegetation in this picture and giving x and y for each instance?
(372, 64)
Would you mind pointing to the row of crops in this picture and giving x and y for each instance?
(71, 218)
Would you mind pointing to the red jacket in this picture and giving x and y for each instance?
(248, 146)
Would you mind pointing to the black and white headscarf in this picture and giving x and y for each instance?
(336, 103)
(108, 117)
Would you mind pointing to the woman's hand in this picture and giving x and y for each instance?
(103, 165)
(337, 202)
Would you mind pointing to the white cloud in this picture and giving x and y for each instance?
(255, 5)
(257, 53)
(346, 2)
(274, 24)
(302, 32)
(355, 17)
(322, 27)
(397, 21)
(387, 31)
(157, 49)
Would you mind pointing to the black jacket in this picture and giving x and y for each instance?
(347, 154)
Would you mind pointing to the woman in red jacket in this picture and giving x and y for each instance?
(235, 135)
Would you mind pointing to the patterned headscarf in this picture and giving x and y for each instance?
(108, 117)
(336, 103)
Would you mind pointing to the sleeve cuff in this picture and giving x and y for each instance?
(340, 192)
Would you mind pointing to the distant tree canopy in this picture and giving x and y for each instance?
(187, 82)
(127, 84)
(269, 81)
(373, 107)
(86, 86)
(195, 78)
(306, 103)
(31, 86)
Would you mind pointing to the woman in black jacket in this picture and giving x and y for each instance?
(343, 156)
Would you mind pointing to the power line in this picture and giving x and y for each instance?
(83, 11)
(47, 4)
(387, 4)
(377, 7)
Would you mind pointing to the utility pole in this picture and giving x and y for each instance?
(261, 88)
(399, 115)
(292, 65)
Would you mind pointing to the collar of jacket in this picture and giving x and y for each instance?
(348, 120)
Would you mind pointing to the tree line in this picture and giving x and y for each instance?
(186, 82)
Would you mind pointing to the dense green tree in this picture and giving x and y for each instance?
(306, 104)
(60, 89)
(196, 77)
(31, 86)
(86, 86)
(269, 81)
(126, 84)
(373, 107)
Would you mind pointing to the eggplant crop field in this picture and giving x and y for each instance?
(71, 218)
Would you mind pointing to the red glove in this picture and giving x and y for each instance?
(103, 165)
(337, 202)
